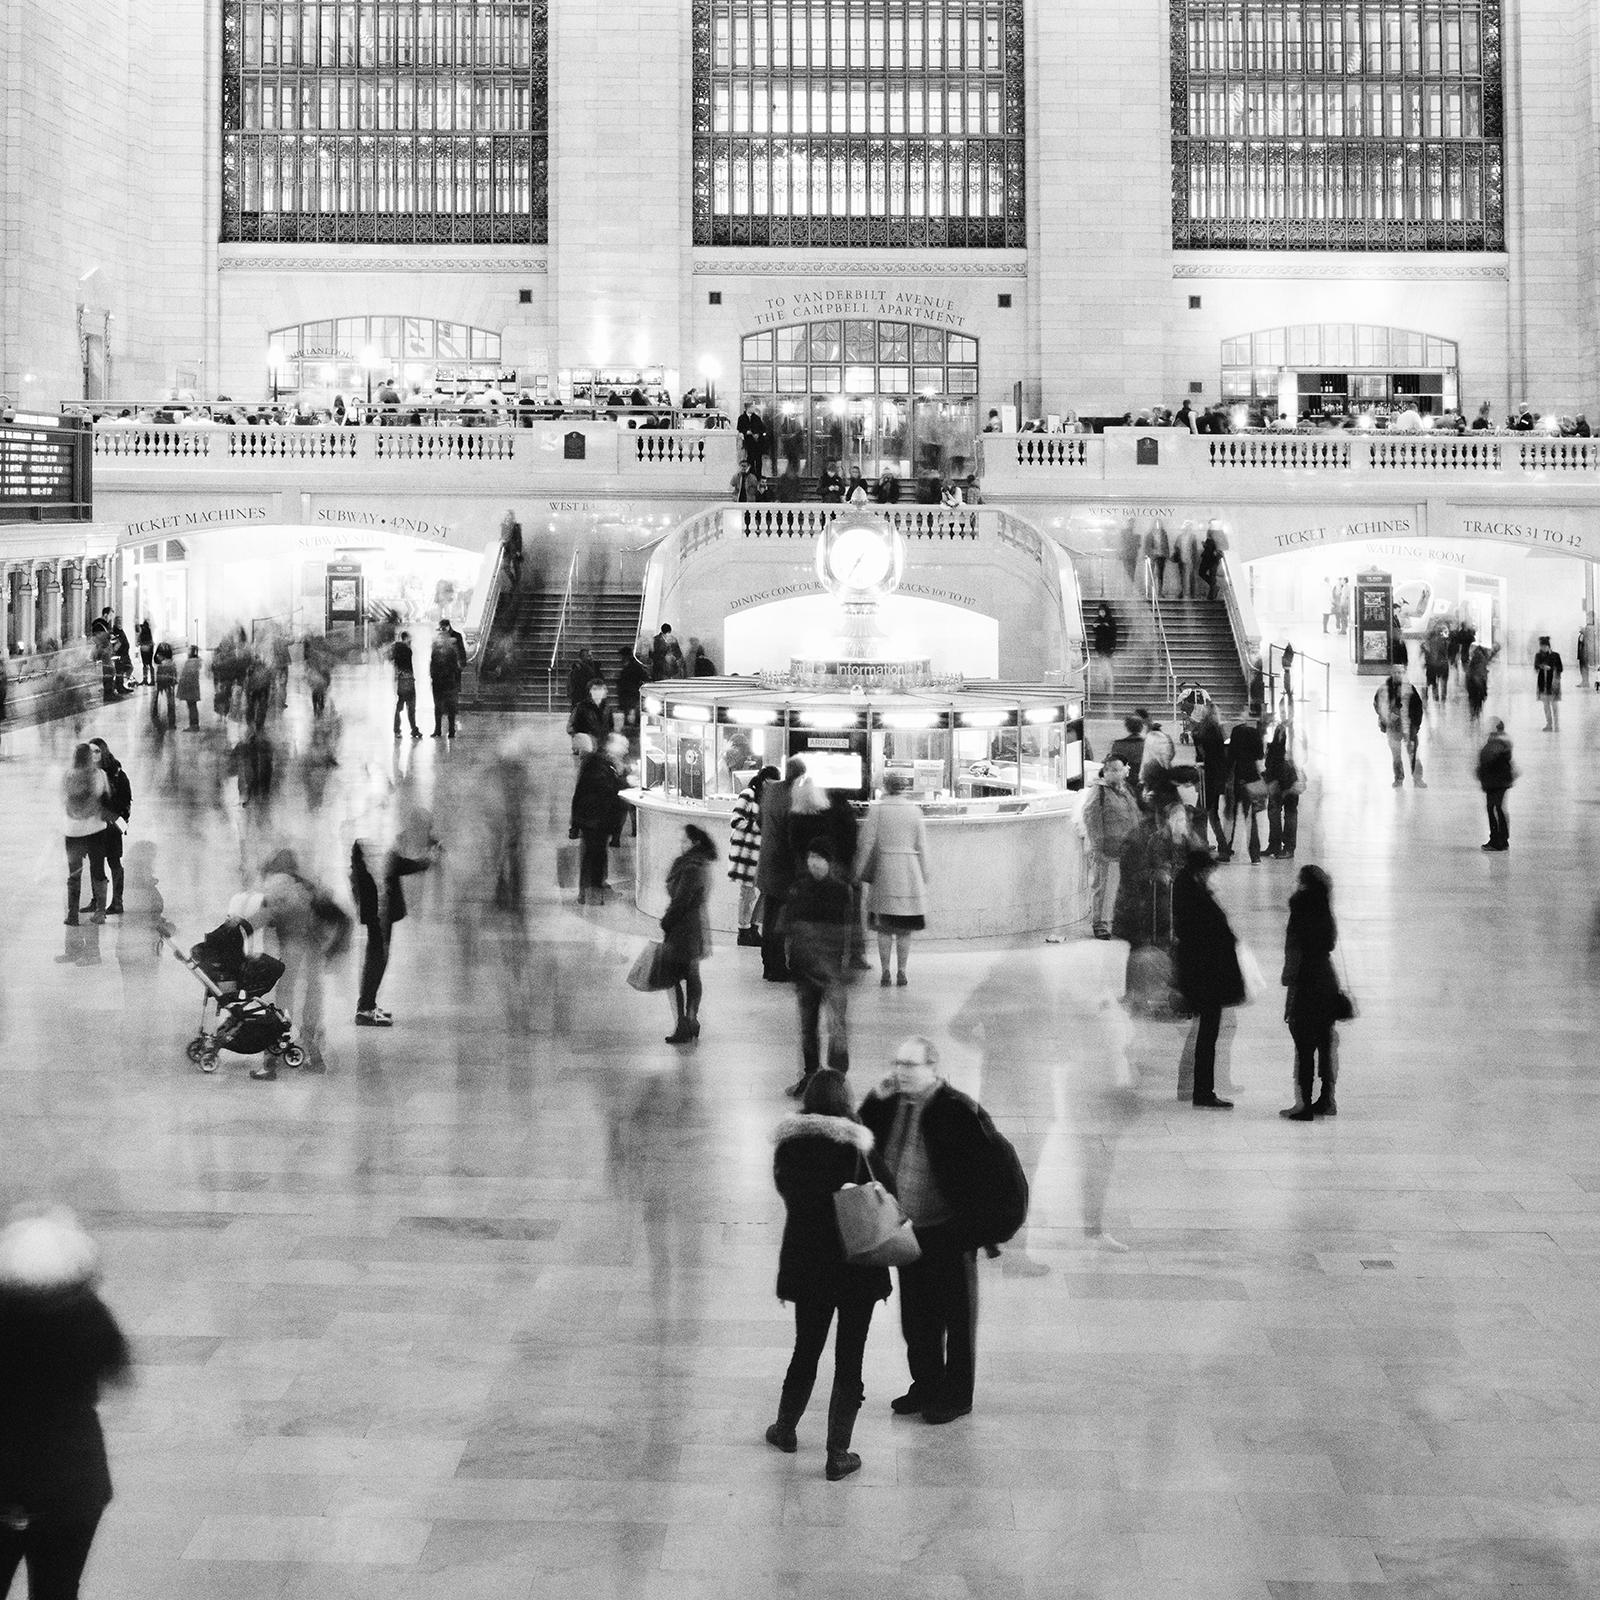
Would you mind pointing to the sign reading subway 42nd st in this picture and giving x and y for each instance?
(45, 471)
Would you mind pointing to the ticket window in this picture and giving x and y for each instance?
(741, 753)
(988, 762)
(1043, 757)
(920, 755)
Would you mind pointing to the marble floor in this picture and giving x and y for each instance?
(486, 1312)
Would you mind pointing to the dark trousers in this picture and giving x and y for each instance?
(1313, 1058)
(774, 963)
(939, 1318)
(111, 844)
(817, 995)
(812, 1319)
(1499, 822)
(405, 699)
(147, 661)
(194, 714)
(55, 1552)
(164, 692)
(1283, 822)
(1208, 1026)
(1240, 803)
(446, 699)
(374, 963)
(1210, 816)
(81, 849)
(593, 861)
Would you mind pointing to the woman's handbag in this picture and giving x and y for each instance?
(1345, 1008)
(1256, 789)
(873, 1229)
(647, 973)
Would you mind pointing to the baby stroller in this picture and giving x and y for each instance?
(1191, 696)
(236, 985)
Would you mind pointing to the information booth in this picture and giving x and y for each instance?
(998, 771)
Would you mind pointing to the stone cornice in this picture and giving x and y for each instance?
(1382, 268)
(913, 265)
(380, 260)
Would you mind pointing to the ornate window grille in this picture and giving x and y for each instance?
(858, 122)
(1337, 125)
(384, 121)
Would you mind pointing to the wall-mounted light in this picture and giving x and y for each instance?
(911, 719)
(683, 713)
(1042, 714)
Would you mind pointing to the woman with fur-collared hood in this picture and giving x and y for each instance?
(819, 1151)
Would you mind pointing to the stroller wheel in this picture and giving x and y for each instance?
(208, 1060)
(274, 1050)
(294, 1056)
(195, 1049)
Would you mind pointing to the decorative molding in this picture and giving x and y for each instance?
(382, 261)
(765, 266)
(1406, 268)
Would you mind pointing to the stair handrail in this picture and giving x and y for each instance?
(1230, 601)
(491, 609)
(561, 625)
(1152, 593)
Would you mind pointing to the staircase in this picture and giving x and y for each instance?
(1200, 641)
(1139, 673)
(606, 620)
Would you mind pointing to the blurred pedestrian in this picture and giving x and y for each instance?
(1104, 637)
(817, 920)
(86, 807)
(511, 547)
(1399, 710)
(1311, 1008)
(1285, 784)
(631, 679)
(166, 681)
(120, 789)
(1497, 771)
(1247, 789)
(1476, 675)
(818, 1151)
(592, 720)
(598, 813)
(311, 927)
(1110, 816)
(405, 684)
(446, 660)
(1547, 671)
(59, 1347)
(1205, 969)
(377, 869)
(892, 860)
(189, 687)
(1211, 753)
(686, 930)
(775, 867)
(147, 653)
(744, 853)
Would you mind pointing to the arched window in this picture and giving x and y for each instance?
(1358, 125)
(839, 122)
(1341, 368)
(339, 355)
(865, 396)
(392, 123)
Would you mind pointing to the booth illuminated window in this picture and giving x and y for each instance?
(389, 121)
(1337, 125)
(1341, 368)
(858, 122)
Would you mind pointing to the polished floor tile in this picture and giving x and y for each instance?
(485, 1311)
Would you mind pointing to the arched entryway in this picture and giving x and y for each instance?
(867, 395)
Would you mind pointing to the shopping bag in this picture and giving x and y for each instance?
(1255, 980)
(647, 974)
(873, 1229)
(567, 866)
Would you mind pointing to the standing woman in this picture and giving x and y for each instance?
(1311, 1008)
(147, 652)
(819, 1151)
(744, 853)
(86, 802)
(1205, 969)
(686, 930)
(118, 814)
(892, 860)
(58, 1346)
(189, 687)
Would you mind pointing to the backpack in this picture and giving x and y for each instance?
(1002, 1181)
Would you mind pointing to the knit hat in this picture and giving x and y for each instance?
(47, 1252)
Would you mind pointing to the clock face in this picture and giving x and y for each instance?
(861, 558)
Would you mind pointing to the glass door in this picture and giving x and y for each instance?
(944, 434)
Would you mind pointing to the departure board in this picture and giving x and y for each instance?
(45, 471)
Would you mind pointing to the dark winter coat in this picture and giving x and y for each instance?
(596, 797)
(956, 1131)
(1308, 972)
(815, 1157)
(817, 922)
(594, 720)
(1211, 746)
(685, 924)
(775, 865)
(1245, 752)
(57, 1347)
(1205, 955)
(1496, 770)
(372, 908)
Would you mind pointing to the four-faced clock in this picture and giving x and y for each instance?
(859, 559)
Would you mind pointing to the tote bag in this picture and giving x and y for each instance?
(873, 1229)
(647, 973)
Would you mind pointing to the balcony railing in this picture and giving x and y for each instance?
(552, 452)
(1032, 464)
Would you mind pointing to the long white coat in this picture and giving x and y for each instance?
(893, 848)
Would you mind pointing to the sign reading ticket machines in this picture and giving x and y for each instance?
(1374, 621)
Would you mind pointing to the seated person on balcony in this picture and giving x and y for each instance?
(1483, 422)
(857, 495)
(950, 497)
(786, 488)
(1582, 430)
(1409, 420)
(992, 423)
(830, 484)
(888, 491)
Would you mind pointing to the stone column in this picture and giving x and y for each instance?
(8, 618)
(97, 589)
(50, 619)
(71, 601)
(24, 610)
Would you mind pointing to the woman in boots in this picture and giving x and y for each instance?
(686, 930)
(86, 806)
(820, 1150)
(1313, 992)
